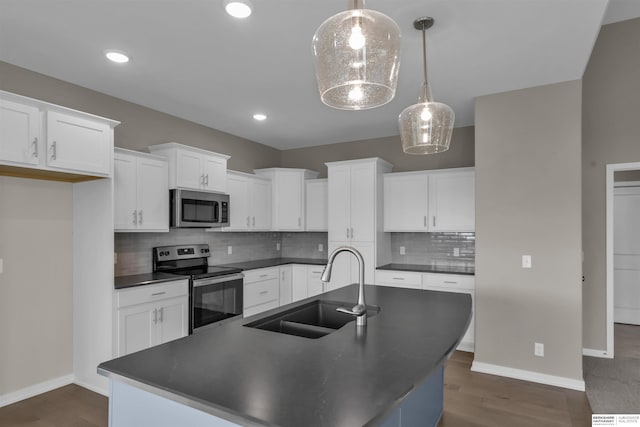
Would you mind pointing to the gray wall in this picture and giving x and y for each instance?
(460, 154)
(528, 202)
(611, 108)
(140, 126)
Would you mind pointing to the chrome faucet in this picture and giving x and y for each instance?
(360, 309)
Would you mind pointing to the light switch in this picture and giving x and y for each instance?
(526, 261)
(402, 250)
(277, 246)
(320, 247)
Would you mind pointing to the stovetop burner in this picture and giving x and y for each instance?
(190, 260)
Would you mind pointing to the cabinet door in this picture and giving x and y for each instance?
(260, 202)
(78, 144)
(19, 132)
(316, 205)
(237, 187)
(339, 203)
(136, 328)
(405, 202)
(290, 197)
(314, 282)
(367, 251)
(189, 170)
(452, 201)
(153, 194)
(172, 319)
(285, 285)
(124, 192)
(363, 203)
(299, 288)
(214, 171)
(341, 271)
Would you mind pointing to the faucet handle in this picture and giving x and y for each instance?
(357, 310)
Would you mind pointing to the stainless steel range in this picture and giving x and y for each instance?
(215, 293)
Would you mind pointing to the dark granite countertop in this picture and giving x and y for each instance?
(121, 282)
(273, 262)
(261, 378)
(446, 269)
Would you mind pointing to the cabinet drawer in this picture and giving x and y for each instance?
(150, 293)
(448, 281)
(403, 279)
(261, 292)
(260, 274)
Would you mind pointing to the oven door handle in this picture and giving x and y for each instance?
(220, 279)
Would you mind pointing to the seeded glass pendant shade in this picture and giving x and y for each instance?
(357, 57)
(426, 127)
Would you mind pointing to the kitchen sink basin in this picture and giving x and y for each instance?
(312, 320)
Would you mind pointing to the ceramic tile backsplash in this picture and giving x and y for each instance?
(304, 245)
(134, 249)
(434, 248)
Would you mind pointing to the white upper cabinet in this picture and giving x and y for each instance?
(250, 202)
(288, 197)
(437, 200)
(452, 201)
(77, 144)
(141, 192)
(20, 132)
(193, 168)
(316, 205)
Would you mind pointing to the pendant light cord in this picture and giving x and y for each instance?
(424, 52)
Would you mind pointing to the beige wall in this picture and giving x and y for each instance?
(460, 154)
(528, 203)
(140, 126)
(611, 125)
(36, 286)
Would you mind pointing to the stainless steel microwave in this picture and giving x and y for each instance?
(198, 209)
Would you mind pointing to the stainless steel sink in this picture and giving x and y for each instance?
(314, 319)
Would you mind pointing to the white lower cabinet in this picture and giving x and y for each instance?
(435, 282)
(286, 284)
(150, 315)
(261, 290)
(345, 269)
(314, 282)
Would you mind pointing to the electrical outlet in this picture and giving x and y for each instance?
(456, 251)
(526, 261)
(320, 247)
(538, 349)
(115, 258)
(277, 246)
(402, 250)
(229, 250)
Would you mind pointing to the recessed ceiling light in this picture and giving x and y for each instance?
(238, 8)
(117, 56)
(260, 117)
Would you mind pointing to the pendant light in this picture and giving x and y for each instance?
(426, 127)
(357, 56)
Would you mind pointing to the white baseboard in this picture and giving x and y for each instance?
(92, 387)
(34, 390)
(596, 353)
(519, 374)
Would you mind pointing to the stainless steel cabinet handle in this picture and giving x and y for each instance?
(161, 313)
(202, 179)
(398, 278)
(254, 221)
(352, 232)
(135, 217)
(434, 221)
(347, 232)
(451, 282)
(263, 275)
(425, 220)
(140, 217)
(158, 293)
(54, 151)
(248, 223)
(264, 292)
(35, 147)
(207, 180)
(155, 315)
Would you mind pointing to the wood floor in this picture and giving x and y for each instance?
(471, 399)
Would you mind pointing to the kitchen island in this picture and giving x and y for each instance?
(238, 375)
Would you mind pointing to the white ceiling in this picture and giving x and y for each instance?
(191, 60)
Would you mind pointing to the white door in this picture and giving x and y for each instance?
(626, 248)
(153, 194)
(124, 192)
(237, 187)
(136, 328)
(290, 193)
(189, 170)
(341, 271)
(339, 203)
(19, 132)
(405, 202)
(172, 319)
(368, 255)
(78, 144)
(363, 202)
(452, 201)
(316, 205)
(214, 172)
(260, 200)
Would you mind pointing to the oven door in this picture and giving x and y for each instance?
(215, 299)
